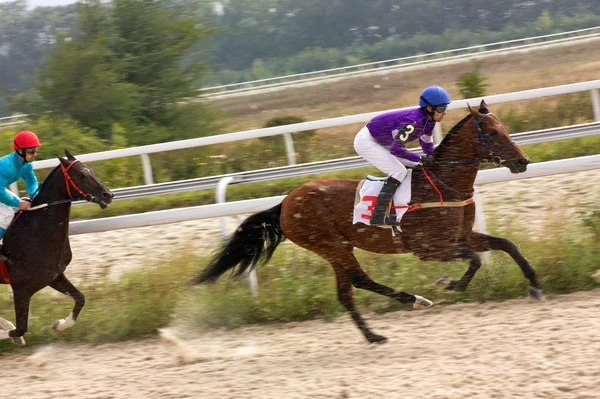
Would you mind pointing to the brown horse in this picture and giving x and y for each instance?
(440, 233)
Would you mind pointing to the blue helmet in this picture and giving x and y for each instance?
(434, 95)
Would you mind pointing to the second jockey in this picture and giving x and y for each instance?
(13, 167)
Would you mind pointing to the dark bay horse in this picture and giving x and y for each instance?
(318, 216)
(37, 243)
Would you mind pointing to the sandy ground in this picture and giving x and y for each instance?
(514, 349)
(533, 202)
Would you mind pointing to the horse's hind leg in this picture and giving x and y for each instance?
(483, 242)
(63, 285)
(22, 299)
(349, 273)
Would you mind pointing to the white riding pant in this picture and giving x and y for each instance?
(7, 213)
(380, 156)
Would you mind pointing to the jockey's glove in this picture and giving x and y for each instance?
(426, 160)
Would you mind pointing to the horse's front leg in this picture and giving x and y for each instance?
(461, 285)
(483, 242)
(64, 286)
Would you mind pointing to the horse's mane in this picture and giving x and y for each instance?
(41, 186)
(447, 141)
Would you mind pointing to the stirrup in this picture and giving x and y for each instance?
(390, 221)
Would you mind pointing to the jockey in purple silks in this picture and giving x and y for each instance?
(382, 142)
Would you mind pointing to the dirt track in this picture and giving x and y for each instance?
(513, 349)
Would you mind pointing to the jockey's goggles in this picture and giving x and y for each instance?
(32, 150)
(440, 108)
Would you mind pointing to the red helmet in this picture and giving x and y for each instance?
(25, 139)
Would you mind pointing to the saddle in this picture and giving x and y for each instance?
(367, 192)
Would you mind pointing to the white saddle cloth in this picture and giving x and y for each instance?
(367, 197)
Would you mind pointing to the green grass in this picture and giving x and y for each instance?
(298, 285)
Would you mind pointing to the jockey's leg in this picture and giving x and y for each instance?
(7, 213)
(383, 201)
(2, 256)
(380, 157)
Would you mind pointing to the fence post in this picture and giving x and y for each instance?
(148, 178)
(596, 103)
(480, 222)
(289, 148)
(220, 194)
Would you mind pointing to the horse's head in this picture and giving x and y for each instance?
(495, 142)
(81, 182)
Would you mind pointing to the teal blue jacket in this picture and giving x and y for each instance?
(12, 169)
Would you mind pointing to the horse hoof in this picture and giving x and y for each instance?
(57, 325)
(18, 340)
(421, 303)
(443, 282)
(376, 339)
(536, 293)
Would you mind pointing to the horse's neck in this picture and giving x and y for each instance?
(53, 189)
(460, 175)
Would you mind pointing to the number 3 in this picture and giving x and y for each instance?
(408, 129)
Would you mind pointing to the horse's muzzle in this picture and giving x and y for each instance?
(106, 199)
(518, 165)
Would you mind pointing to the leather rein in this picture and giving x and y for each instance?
(68, 183)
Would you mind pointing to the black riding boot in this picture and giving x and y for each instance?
(383, 201)
(2, 256)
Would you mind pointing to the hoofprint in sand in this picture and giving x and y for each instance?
(531, 202)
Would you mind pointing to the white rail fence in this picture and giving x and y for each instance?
(439, 57)
(256, 205)
(286, 130)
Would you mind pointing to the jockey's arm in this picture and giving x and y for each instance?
(400, 151)
(6, 196)
(426, 143)
(30, 180)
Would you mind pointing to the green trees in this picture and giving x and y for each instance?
(129, 63)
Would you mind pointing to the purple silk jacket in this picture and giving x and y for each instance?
(386, 126)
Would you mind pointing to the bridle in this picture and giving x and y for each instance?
(68, 183)
(484, 143)
(488, 144)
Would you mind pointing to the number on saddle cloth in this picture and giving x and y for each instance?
(368, 191)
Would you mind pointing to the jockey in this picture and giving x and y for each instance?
(13, 167)
(382, 142)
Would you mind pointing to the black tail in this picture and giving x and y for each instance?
(254, 241)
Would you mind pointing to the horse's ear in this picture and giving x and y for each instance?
(62, 160)
(483, 107)
(70, 156)
(474, 114)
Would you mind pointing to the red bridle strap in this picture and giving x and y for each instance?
(452, 204)
(69, 182)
